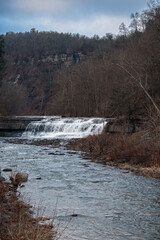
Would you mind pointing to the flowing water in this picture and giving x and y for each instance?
(58, 127)
(105, 202)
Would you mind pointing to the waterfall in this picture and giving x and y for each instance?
(62, 127)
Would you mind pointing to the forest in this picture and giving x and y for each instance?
(50, 73)
(114, 76)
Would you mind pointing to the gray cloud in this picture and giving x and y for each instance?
(93, 25)
(71, 7)
(84, 16)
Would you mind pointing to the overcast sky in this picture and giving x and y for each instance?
(87, 17)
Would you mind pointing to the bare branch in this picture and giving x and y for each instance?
(139, 82)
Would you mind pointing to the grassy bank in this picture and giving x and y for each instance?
(133, 152)
(16, 218)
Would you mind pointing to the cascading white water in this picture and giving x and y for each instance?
(59, 127)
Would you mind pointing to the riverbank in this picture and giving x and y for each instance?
(134, 152)
(17, 220)
(129, 152)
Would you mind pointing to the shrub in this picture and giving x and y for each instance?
(132, 149)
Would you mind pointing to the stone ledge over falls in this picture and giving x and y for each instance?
(11, 126)
(14, 126)
(124, 125)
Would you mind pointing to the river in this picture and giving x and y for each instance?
(105, 203)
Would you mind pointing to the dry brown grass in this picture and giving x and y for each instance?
(3, 191)
(134, 150)
(3, 208)
(17, 221)
(23, 226)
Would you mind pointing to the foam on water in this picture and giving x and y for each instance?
(59, 127)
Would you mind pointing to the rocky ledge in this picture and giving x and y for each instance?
(11, 126)
(15, 125)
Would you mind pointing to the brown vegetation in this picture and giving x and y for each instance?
(135, 152)
(13, 99)
(113, 80)
(120, 78)
(123, 80)
(16, 218)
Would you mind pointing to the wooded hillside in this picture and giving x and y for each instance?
(55, 73)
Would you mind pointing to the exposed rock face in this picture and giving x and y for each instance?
(122, 125)
(66, 59)
(14, 126)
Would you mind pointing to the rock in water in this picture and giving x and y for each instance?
(21, 177)
(7, 170)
